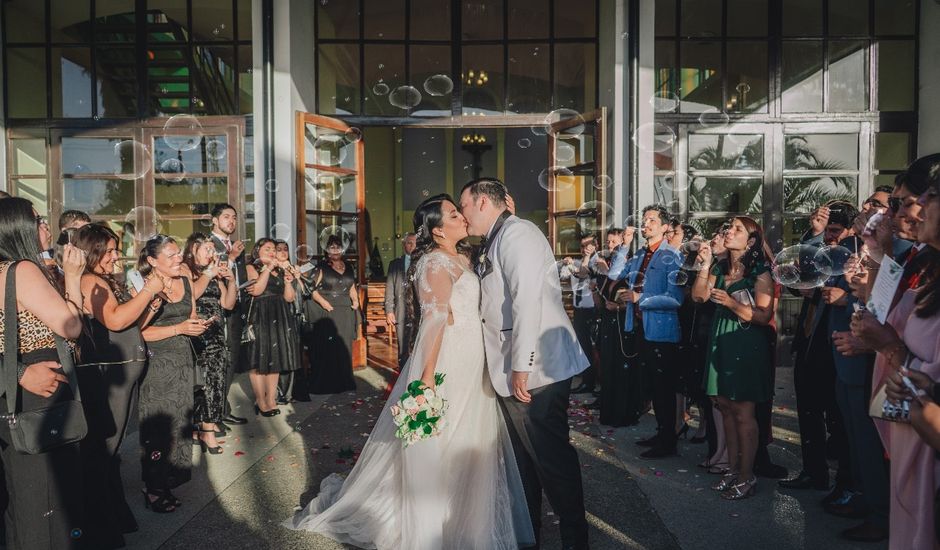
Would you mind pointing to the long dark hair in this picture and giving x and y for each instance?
(194, 240)
(928, 297)
(152, 249)
(756, 254)
(256, 251)
(428, 216)
(19, 234)
(93, 239)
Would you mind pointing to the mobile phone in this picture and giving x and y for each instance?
(245, 285)
(307, 267)
(135, 279)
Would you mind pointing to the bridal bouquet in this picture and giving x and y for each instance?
(419, 413)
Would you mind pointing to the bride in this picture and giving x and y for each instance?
(458, 490)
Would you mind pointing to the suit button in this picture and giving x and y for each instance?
(483, 321)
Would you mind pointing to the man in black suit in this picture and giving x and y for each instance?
(396, 285)
(224, 223)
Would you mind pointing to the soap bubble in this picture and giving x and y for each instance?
(380, 88)
(132, 159)
(594, 216)
(271, 186)
(654, 137)
(671, 185)
(353, 135)
(338, 231)
(564, 152)
(303, 252)
(603, 182)
(404, 97)
(156, 455)
(794, 267)
(172, 169)
(525, 143)
(832, 259)
(183, 132)
(330, 149)
(678, 277)
(329, 186)
(713, 118)
(438, 85)
(564, 179)
(570, 118)
(216, 149)
(664, 102)
(280, 232)
(143, 222)
(689, 251)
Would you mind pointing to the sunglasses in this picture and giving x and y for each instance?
(894, 203)
(875, 203)
(41, 220)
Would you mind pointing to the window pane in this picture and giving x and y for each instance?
(116, 88)
(27, 92)
(723, 194)
(699, 76)
(213, 20)
(339, 78)
(567, 235)
(317, 223)
(701, 18)
(726, 152)
(384, 72)
(90, 155)
(115, 21)
(169, 89)
(482, 20)
(848, 18)
(747, 76)
(802, 17)
(244, 91)
(484, 93)
(430, 20)
(25, 21)
(575, 19)
(896, 75)
(29, 156)
(666, 97)
(167, 21)
(432, 62)
(214, 77)
(665, 17)
(384, 19)
(36, 191)
(821, 152)
(183, 197)
(802, 76)
(529, 91)
(71, 82)
(528, 19)
(747, 18)
(328, 147)
(244, 19)
(892, 150)
(848, 83)
(70, 21)
(338, 19)
(575, 76)
(803, 195)
(113, 197)
(326, 191)
(894, 17)
(209, 156)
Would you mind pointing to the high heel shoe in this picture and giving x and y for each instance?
(159, 504)
(726, 482)
(272, 412)
(217, 450)
(741, 491)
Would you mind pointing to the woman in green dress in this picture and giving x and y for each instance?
(739, 353)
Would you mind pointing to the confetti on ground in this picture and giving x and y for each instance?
(239, 453)
(270, 458)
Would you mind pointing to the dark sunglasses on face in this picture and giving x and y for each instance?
(41, 220)
(875, 203)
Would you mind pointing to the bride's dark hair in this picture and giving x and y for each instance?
(429, 215)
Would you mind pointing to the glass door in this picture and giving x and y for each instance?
(330, 189)
(576, 179)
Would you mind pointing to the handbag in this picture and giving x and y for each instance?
(248, 331)
(41, 430)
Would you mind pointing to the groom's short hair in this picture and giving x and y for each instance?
(491, 187)
(664, 216)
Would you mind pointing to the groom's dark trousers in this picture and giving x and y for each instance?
(547, 461)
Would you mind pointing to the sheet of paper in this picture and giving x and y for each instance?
(886, 284)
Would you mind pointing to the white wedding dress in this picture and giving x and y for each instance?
(459, 490)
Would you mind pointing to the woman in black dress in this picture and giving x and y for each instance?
(166, 392)
(215, 288)
(36, 484)
(113, 358)
(335, 323)
(275, 347)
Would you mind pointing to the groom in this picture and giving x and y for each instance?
(532, 353)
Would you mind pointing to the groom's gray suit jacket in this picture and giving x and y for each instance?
(525, 327)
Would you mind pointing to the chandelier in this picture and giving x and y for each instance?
(477, 78)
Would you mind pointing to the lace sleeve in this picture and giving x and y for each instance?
(435, 276)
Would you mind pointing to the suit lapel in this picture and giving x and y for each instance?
(484, 262)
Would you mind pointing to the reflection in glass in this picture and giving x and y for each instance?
(747, 77)
(384, 64)
(726, 152)
(848, 83)
(168, 72)
(747, 18)
(482, 95)
(339, 78)
(804, 194)
(326, 191)
(189, 195)
(847, 18)
(821, 152)
(482, 20)
(567, 235)
(575, 81)
(71, 82)
(528, 19)
(114, 20)
(117, 82)
(90, 155)
(427, 61)
(36, 190)
(894, 17)
(25, 21)
(28, 156)
(70, 21)
(213, 21)
(725, 194)
(99, 196)
(528, 79)
(316, 223)
(244, 19)
(210, 156)
(802, 76)
(575, 19)
(430, 20)
(700, 76)
(701, 18)
(665, 77)
(26, 82)
(892, 150)
(802, 18)
(244, 91)
(896, 75)
(214, 79)
(338, 19)
(167, 21)
(384, 19)
(665, 18)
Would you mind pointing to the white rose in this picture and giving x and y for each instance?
(409, 403)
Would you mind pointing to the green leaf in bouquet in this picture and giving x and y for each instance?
(439, 378)
(414, 424)
(427, 430)
(433, 419)
(414, 388)
(422, 416)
